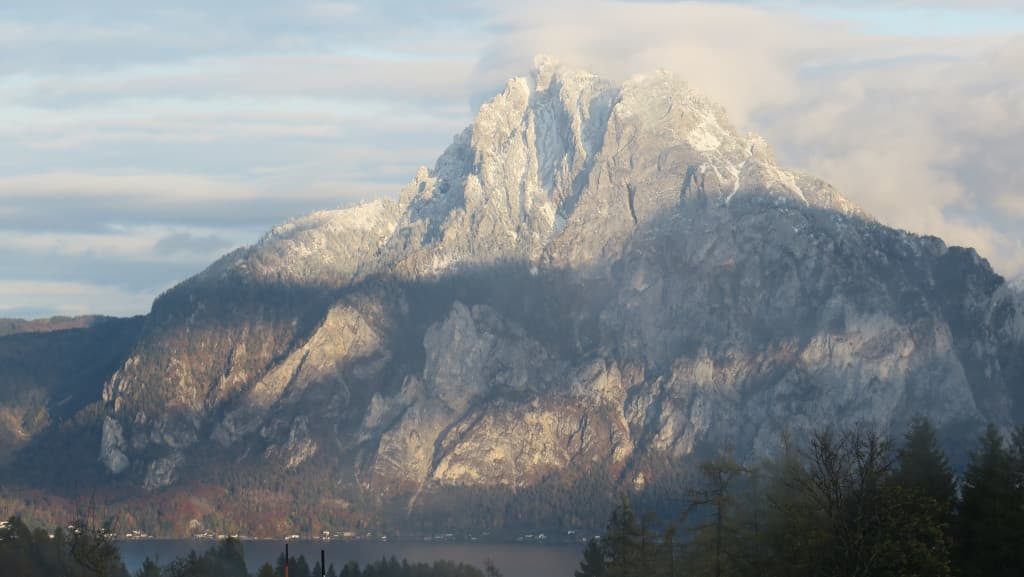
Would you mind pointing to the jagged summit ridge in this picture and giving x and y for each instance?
(554, 158)
(566, 147)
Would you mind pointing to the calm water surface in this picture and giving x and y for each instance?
(514, 560)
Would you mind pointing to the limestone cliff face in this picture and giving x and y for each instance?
(594, 277)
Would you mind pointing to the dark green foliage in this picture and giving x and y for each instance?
(622, 541)
(300, 567)
(149, 569)
(911, 538)
(393, 568)
(190, 565)
(85, 552)
(847, 505)
(27, 553)
(924, 467)
(928, 485)
(226, 559)
(841, 510)
(592, 564)
(351, 569)
(630, 547)
(990, 523)
(279, 567)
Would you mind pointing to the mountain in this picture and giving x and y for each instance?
(597, 285)
(53, 369)
(60, 323)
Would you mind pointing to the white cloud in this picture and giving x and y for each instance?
(744, 56)
(265, 75)
(930, 146)
(191, 244)
(923, 132)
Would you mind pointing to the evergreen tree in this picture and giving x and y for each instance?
(280, 564)
(910, 538)
(990, 524)
(1017, 456)
(190, 565)
(149, 569)
(351, 569)
(592, 564)
(226, 559)
(17, 549)
(266, 570)
(300, 567)
(622, 542)
(924, 467)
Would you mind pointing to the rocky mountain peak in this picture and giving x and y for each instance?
(595, 276)
(559, 158)
(563, 146)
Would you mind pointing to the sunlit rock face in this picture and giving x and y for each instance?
(595, 279)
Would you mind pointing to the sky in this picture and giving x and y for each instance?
(141, 140)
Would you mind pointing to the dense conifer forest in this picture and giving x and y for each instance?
(848, 504)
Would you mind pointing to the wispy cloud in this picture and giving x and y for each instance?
(266, 75)
(191, 244)
(125, 243)
(921, 131)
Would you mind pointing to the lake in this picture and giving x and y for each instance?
(512, 559)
